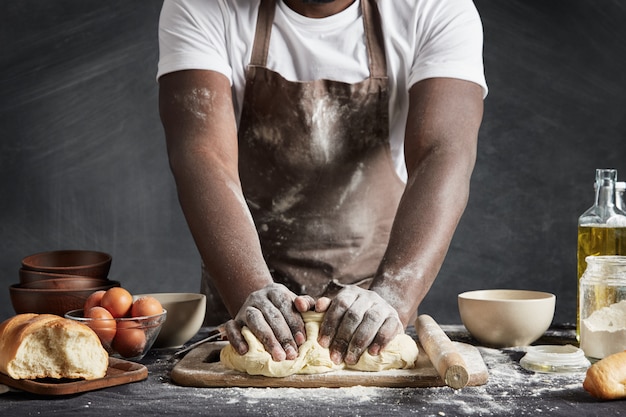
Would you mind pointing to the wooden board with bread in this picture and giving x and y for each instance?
(52, 355)
(119, 372)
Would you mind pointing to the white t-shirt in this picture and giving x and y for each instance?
(423, 39)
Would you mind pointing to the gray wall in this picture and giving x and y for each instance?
(83, 162)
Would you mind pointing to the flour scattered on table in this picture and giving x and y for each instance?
(351, 394)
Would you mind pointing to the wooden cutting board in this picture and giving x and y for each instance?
(119, 372)
(202, 368)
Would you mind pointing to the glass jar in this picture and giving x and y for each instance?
(602, 305)
(601, 228)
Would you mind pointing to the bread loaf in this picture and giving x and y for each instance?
(606, 379)
(48, 346)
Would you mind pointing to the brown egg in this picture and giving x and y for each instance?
(93, 300)
(130, 340)
(102, 323)
(118, 301)
(146, 306)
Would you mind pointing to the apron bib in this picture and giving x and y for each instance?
(316, 168)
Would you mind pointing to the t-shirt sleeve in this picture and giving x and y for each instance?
(451, 44)
(192, 36)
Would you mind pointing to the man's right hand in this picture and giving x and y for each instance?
(273, 315)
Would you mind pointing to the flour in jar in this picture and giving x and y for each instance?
(604, 331)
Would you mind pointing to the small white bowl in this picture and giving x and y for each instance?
(505, 318)
(185, 314)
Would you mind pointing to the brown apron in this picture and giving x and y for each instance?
(316, 169)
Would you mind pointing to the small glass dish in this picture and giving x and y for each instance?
(555, 359)
(128, 338)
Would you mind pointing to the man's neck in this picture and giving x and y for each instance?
(318, 10)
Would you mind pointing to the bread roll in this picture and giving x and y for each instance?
(606, 379)
(48, 346)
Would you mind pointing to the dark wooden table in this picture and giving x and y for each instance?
(511, 391)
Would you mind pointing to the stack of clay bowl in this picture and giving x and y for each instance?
(59, 281)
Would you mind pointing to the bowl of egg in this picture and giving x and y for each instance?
(127, 326)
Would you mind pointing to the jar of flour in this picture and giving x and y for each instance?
(603, 306)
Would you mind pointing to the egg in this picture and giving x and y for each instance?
(102, 323)
(146, 306)
(118, 301)
(129, 340)
(93, 300)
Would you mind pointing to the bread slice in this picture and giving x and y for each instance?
(48, 346)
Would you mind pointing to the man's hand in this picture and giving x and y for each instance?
(273, 315)
(356, 319)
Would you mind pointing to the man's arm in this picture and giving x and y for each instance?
(440, 151)
(197, 115)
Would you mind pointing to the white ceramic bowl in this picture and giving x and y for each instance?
(185, 314)
(506, 318)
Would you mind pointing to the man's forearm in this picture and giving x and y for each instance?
(223, 230)
(427, 216)
(197, 114)
(440, 153)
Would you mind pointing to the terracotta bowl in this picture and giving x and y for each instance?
(67, 282)
(506, 318)
(52, 301)
(73, 262)
(185, 314)
(127, 337)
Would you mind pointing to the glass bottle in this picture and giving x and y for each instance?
(602, 228)
(620, 198)
(602, 306)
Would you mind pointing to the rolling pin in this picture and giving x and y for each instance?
(441, 352)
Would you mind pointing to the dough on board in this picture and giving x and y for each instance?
(400, 353)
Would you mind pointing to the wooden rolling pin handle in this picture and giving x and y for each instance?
(441, 352)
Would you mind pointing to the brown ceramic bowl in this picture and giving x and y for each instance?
(51, 301)
(73, 262)
(27, 276)
(67, 282)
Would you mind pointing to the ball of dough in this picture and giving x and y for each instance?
(400, 353)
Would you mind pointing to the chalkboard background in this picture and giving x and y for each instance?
(83, 161)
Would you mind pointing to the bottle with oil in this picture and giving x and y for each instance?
(602, 228)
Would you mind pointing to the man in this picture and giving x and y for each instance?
(322, 152)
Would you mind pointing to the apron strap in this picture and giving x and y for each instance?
(264, 22)
(374, 39)
(372, 27)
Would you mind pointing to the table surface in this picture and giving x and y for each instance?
(510, 391)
